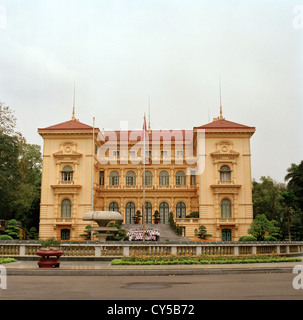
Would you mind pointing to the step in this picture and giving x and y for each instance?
(166, 232)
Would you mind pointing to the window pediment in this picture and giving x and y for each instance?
(67, 150)
(62, 154)
(224, 151)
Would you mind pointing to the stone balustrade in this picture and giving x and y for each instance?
(27, 249)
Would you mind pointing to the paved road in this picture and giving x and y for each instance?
(272, 286)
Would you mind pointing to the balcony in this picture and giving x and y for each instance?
(226, 182)
(64, 221)
(227, 221)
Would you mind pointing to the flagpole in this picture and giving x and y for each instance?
(93, 171)
(143, 211)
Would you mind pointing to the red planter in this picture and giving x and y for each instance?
(49, 258)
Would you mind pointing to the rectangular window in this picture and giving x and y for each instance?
(132, 154)
(192, 178)
(179, 153)
(116, 153)
(101, 178)
(164, 153)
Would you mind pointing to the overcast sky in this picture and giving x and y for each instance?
(120, 52)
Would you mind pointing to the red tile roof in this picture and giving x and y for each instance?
(154, 135)
(224, 124)
(69, 125)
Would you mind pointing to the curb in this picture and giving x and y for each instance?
(145, 272)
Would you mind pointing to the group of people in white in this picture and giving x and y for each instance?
(137, 234)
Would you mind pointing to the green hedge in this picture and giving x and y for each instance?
(173, 224)
(247, 238)
(202, 259)
(7, 260)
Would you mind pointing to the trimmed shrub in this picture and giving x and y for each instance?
(5, 237)
(247, 238)
(270, 238)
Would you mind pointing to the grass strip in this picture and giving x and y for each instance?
(177, 260)
(7, 260)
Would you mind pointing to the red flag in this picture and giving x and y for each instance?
(144, 132)
(144, 136)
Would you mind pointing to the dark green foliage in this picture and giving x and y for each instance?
(87, 232)
(118, 235)
(202, 233)
(156, 216)
(247, 238)
(173, 224)
(261, 226)
(194, 214)
(13, 229)
(20, 174)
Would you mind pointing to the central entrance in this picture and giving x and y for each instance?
(164, 209)
(226, 235)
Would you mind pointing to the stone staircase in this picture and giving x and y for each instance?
(166, 232)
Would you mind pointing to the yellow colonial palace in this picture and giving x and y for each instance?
(206, 171)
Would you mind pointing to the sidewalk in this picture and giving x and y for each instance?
(104, 268)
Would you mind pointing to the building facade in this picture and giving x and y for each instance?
(204, 173)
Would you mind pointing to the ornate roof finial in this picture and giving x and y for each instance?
(73, 117)
(149, 131)
(221, 114)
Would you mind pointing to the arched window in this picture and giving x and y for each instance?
(225, 208)
(114, 206)
(65, 234)
(129, 212)
(66, 208)
(148, 178)
(164, 178)
(67, 173)
(225, 173)
(114, 178)
(164, 208)
(180, 178)
(148, 212)
(181, 210)
(130, 178)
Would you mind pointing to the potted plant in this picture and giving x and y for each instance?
(49, 253)
(137, 217)
(156, 217)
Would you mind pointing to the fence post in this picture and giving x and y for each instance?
(125, 251)
(236, 250)
(278, 249)
(198, 250)
(22, 250)
(173, 250)
(97, 251)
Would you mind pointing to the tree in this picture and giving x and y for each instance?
(20, 173)
(7, 120)
(295, 183)
(266, 197)
(13, 229)
(288, 199)
(118, 235)
(262, 226)
(202, 233)
(87, 232)
(9, 174)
